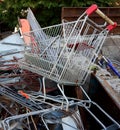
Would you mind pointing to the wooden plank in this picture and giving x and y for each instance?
(112, 93)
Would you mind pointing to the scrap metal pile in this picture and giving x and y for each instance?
(33, 77)
(110, 51)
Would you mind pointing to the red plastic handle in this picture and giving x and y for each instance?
(91, 9)
(111, 27)
(23, 94)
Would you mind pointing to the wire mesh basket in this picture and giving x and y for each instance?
(65, 52)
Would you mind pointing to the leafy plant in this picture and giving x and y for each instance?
(47, 12)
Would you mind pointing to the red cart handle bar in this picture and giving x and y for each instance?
(94, 8)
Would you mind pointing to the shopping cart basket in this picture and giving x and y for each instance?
(65, 52)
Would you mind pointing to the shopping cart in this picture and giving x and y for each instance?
(65, 52)
(52, 111)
